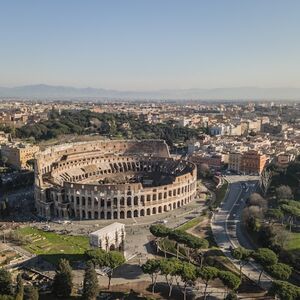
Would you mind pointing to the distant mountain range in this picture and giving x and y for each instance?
(44, 91)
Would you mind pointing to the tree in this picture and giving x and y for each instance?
(152, 267)
(265, 180)
(170, 268)
(204, 170)
(160, 231)
(31, 293)
(96, 256)
(266, 257)
(90, 283)
(231, 296)
(267, 235)
(256, 199)
(5, 283)
(207, 274)
(63, 279)
(251, 216)
(291, 211)
(179, 237)
(6, 297)
(274, 215)
(195, 243)
(280, 271)
(284, 290)
(243, 255)
(19, 288)
(230, 280)
(188, 276)
(284, 192)
(113, 260)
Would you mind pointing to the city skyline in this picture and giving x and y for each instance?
(148, 46)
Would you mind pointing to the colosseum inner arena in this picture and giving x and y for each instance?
(110, 179)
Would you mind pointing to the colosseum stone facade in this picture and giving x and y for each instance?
(110, 179)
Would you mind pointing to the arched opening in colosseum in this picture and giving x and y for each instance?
(170, 206)
(165, 208)
(129, 215)
(102, 215)
(129, 201)
(154, 210)
(142, 213)
(115, 215)
(178, 204)
(83, 214)
(135, 200)
(174, 205)
(108, 215)
(115, 201)
(112, 247)
(136, 213)
(89, 215)
(122, 215)
(122, 201)
(159, 209)
(96, 215)
(148, 212)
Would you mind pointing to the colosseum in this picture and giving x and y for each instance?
(110, 179)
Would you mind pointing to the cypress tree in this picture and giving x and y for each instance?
(19, 288)
(63, 279)
(90, 283)
(31, 293)
(5, 283)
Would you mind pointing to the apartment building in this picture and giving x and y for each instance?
(18, 154)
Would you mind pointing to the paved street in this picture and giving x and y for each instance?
(226, 224)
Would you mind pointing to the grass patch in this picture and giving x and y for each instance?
(52, 246)
(294, 241)
(190, 224)
(293, 244)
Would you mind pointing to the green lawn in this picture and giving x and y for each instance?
(53, 246)
(190, 224)
(293, 243)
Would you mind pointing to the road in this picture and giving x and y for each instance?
(226, 224)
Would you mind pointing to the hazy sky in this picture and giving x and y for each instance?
(151, 44)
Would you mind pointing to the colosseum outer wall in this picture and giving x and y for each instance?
(61, 195)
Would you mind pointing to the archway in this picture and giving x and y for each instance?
(129, 215)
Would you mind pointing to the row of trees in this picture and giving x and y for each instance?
(283, 212)
(9, 291)
(192, 244)
(108, 124)
(63, 280)
(267, 258)
(185, 275)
